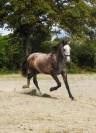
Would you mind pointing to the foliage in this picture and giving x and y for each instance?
(84, 55)
(10, 54)
(31, 22)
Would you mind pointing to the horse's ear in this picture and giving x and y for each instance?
(65, 40)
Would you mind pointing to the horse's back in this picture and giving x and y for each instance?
(42, 57)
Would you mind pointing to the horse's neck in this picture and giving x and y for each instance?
(60, 61)
(59, 57)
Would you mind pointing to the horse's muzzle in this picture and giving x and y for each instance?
(68, 59)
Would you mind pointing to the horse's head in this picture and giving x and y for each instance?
(66, 52)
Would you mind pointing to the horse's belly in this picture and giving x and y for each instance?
(43, 66)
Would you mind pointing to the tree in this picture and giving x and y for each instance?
(32, 20)
(77, 16)
(28, 20)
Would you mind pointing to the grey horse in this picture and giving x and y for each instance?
(53, 63)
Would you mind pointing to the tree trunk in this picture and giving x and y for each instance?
(27, 46)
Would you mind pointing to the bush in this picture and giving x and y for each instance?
(10, 55)
(84, 55)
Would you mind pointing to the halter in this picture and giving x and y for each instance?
(67, 55)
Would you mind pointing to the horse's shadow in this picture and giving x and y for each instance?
(35, 93)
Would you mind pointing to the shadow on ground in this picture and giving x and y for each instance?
(35, 93)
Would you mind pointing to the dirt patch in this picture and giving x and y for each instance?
(24, 111)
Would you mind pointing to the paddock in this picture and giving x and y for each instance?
(21, 111)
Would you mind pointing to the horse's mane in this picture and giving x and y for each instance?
(57, 47)
(59, 55)
(57, 52)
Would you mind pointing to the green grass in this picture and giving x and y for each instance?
(74, 70)
(5, 72)
(78, 70)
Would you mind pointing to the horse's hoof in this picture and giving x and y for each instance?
(72, 98)
(40, 94)
(51, 89)
(25, 86)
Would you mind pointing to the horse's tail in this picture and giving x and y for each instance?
(24, 67)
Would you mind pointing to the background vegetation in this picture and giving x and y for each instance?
(32, 24)
(83, 56)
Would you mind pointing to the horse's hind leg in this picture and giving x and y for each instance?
(36, 83)
(57, 81)
(64, 75)
(29, 76)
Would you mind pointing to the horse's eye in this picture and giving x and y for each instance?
(64, 49)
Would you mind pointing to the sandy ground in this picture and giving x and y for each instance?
(22, 112)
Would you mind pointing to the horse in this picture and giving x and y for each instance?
(53, 63)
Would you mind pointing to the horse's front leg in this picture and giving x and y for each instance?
(57, 81)
(29, 76)
(64, 75)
